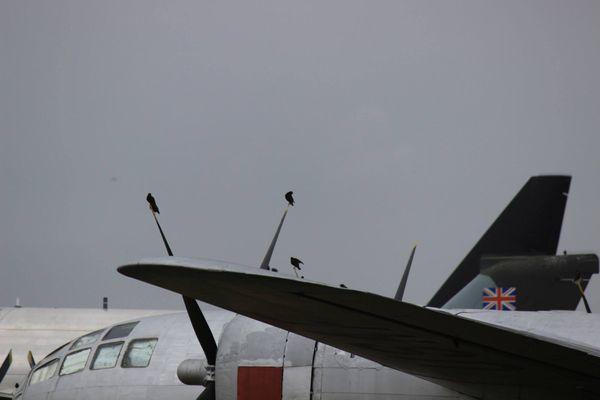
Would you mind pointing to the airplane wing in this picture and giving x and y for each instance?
(459, 353)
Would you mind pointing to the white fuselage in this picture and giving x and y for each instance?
(259, 361)
(42, 330)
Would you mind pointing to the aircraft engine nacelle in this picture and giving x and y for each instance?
(256, 361)
(194, 372)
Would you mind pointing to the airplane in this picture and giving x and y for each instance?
(296, 339)
(38, 331)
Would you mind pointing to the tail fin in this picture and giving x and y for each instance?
(529, 225)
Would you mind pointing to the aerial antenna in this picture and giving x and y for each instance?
(400, 292)
(267, 259)
(199, 323)
(577, 283)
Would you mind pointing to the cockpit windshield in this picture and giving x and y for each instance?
(119, 331)
(44, 372)
(87, 339)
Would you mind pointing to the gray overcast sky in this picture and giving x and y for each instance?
(392, 122)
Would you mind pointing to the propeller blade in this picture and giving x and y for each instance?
(30, 359)
(577, 282)
(202, 330)
(5, 365)
(208, 393)
(265, 262)
(400, 292)
(586, 304)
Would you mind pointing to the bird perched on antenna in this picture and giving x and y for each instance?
(152, 203)
(296, 264)
(290, 198)
(154, 208)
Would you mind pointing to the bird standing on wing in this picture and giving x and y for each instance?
(290, 198)
(296, 264)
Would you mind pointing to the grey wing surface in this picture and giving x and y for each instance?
(456, 352)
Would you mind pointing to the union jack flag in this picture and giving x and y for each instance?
(499, 298)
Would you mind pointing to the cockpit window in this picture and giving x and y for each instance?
(44, 372)
(138, 353)
(106, 355)
(119, 331)
(74, 362)
(87, 339)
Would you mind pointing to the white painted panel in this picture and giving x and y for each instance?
(342, 375)
(298, 366)
(296, 383)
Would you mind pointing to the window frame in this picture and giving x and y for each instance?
(58, 349)
(107, 344)
(75, 352)
(98, 332)
(57, 360)
(131, 342)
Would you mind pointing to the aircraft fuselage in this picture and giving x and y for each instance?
(255, 361)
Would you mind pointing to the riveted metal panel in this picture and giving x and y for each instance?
(40, 390)
(341, 375)
(298, 367)
(297, 383)
(246, 342)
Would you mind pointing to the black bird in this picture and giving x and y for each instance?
(296, 262)
(343, 286)
(290, 198)
(152, 203)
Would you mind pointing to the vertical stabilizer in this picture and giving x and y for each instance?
(529, 225)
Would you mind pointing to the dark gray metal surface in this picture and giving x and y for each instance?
(542, 282)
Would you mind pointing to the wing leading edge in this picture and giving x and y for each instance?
(462, 354)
